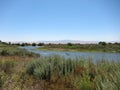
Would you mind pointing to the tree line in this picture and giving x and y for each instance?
(69, 44)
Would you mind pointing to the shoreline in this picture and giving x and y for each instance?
(73, 50)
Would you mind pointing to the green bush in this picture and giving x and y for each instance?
(45, 67)
(88, 75)
(12, 51)
(4, 53)
(6, 65)
(83, 83)
(2, 79)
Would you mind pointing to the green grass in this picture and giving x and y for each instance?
(59, 73)
(82, 47)
(43, 67)
(86, 74)
(8, 50)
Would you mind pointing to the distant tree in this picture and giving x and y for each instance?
(33, 44)
(40, 44)
(18, 44)
(9, 43)
(0, 41)
(103, 43)
(12, 44)
(4, 53)
(50, 44)
(109, 43)
(5, 43)
(69, 44)
(117, 43)
(26, 44)
(23, 44)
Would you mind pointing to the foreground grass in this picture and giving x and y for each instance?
(82, 47)
(76, 74)
(12, 61)
(58, 73)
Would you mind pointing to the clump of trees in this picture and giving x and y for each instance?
(26, 44)
(40, 44)
(69, 44)
(33, 44)
(109, 43)
(102, 43)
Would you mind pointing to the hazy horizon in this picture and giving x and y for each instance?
(53, 20)
(61, 41)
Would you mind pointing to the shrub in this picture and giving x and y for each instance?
(86, 74)
(43, 67)
(69, 44)
(40, 44)
(33, 44)
(103, 43)
(6, 65)
(23, 44)
(83, 83)
(4, 53)
(2, 79)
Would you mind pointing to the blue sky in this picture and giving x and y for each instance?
(35, 20)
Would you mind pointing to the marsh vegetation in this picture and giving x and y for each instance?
(100, 47)
(23, 70)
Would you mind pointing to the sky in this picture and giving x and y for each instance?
(36, 20)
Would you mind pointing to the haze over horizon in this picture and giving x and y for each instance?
(51, 20)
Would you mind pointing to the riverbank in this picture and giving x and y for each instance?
(66, 50)
(82, 48)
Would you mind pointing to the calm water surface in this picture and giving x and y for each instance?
(93, 55)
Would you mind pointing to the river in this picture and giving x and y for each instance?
(93, 55)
